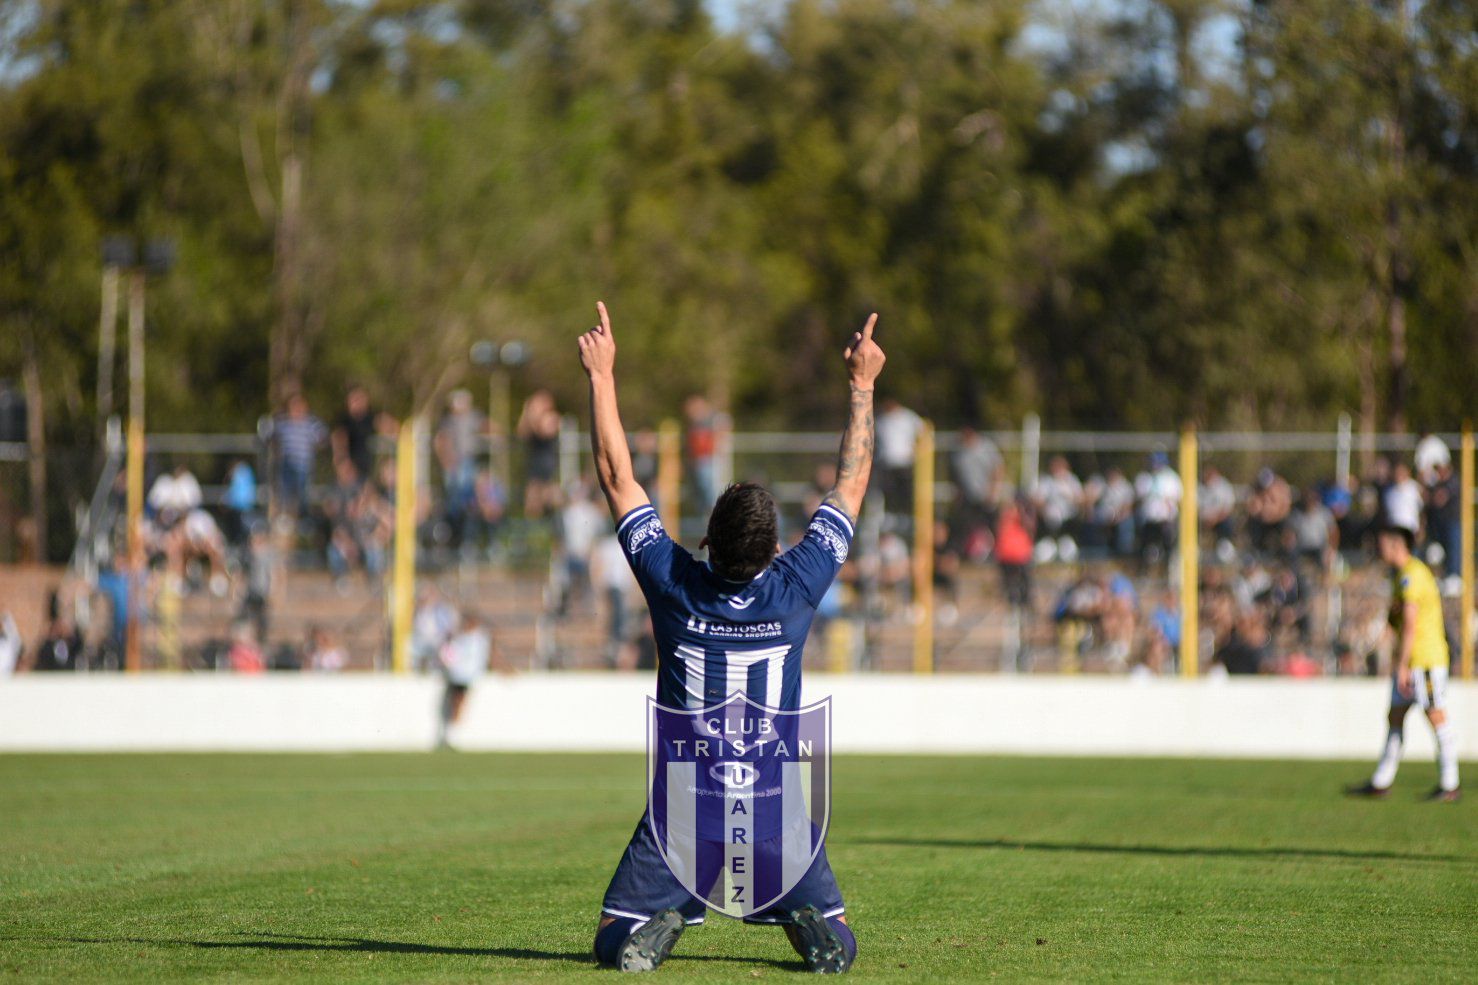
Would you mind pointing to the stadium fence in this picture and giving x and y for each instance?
(889, 617)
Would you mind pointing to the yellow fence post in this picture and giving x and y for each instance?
(133, 660)
(133, 643)
(1190, 556)
(403, 587)
(500, 415)
(1465, 608)
(923, 551)
(839, 644)
(670, 476)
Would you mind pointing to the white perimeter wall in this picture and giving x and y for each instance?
(1261, 717)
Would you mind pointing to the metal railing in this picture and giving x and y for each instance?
(95, 524)
(785, 461)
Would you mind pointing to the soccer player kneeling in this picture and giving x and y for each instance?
(1419, 667)
(735, 624)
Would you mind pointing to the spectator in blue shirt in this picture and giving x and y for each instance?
(240, 501)
(296, 436)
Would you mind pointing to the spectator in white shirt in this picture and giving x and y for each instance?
(464, 659)
(10, 645)
(1403, 500)
(435, 621)
(1312, 530)
(612, 576)
(173, 495)
(1058, 498)
(897, 432)
(1111, 506)
(185, 530)
(1217, 503)
(978, 472)
(581, 524)
(979, 475)
(1159, 492)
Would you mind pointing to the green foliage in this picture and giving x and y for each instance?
(1247, 214)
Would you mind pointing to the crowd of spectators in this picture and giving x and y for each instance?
(1065, 517)
(1107, 533)
(1271, 552)
(1106, 515)
(321, 494)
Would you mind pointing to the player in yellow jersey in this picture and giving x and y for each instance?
(1419, 665)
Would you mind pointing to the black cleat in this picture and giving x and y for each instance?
(1367, 789)
(651, 943)
(818, 944)
(1440, 796)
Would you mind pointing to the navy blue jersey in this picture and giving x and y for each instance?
(715, 636)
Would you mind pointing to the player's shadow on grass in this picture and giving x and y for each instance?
(294, 942)
(290, 942)
(1213, 851)
(261, 940)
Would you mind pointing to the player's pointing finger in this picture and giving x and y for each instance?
(872, 320)
(605, 318)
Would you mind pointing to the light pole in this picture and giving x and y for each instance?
(499, 361)
(118, 254)
(157, 259)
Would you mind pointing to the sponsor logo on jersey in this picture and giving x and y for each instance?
(644, 533)
(835, 542)
(735, 630)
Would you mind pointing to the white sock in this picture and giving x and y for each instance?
(1446, 757)
(1385, 770)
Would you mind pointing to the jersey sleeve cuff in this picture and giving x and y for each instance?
(836, 515)
(634, 515)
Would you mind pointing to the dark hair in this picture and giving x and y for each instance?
(1397, 530)
(743, 530)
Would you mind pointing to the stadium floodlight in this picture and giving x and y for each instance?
(498, 361)
(119, 251)
(489, 355)
(484, 354)
(514, 354)
(158, 256)
(120, 255)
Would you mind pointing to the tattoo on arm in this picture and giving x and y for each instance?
(832, 499)
(856, 451)
(854, 460)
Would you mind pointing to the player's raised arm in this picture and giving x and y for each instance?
(854, 461)
(607, 436)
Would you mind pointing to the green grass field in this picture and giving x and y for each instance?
(458, 867)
